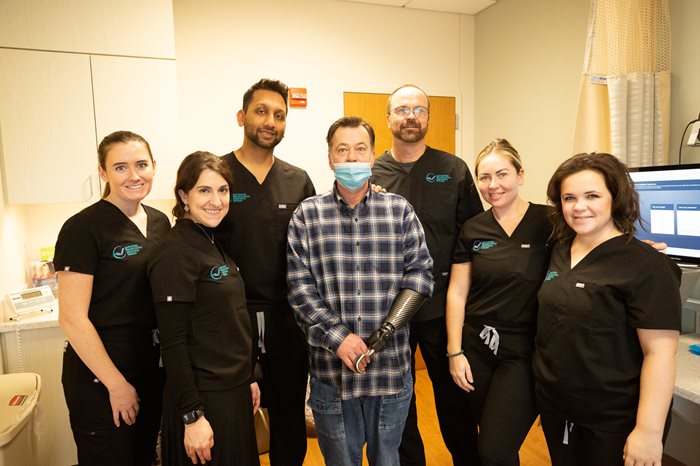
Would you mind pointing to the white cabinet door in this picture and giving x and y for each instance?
(140, 95)
(125, 27)
(47, 127)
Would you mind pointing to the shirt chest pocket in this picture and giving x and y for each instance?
(438, 205)
(281, 214)
(532, 261)
(594, 306)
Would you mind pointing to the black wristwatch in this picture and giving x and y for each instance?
(192, 416)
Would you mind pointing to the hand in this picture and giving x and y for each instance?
(378, 189)
(255, 393)
(462, 372)
(199, 440)
(643, 448)
(661, 247)
(124, 401)
(349, 349)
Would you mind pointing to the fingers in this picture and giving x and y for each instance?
(461, 373)
(361, 362)
(115, 416)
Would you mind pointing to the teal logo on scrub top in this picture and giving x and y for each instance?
(483, 245)
(120, 252)
(437, 178)
(239, 197)
(551, 275)
(218, 272)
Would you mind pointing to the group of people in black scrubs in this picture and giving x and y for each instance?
(552, 310)
(124, 273)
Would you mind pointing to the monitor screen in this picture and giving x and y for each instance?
(669, 201)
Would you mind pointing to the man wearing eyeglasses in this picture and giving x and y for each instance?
(441, 189)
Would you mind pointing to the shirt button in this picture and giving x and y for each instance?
(358, 292)
(357, 268)
(355, 219)
(357, 244)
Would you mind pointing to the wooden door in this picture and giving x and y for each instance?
(372, 107)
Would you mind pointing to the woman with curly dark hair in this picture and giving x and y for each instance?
(608, 323)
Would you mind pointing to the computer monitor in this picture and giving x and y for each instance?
(669, 201)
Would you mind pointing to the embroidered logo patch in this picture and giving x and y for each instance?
(551, 275)
(479, 245)
(239, 197)
(218, 272)
(437, 178)
(120, 252)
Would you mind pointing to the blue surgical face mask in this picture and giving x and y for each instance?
(352, 175)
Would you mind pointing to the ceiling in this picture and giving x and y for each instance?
(467, 7)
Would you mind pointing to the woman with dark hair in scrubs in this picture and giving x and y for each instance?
(498, 264)
(210, 397)
(111, 377)
(608, 323)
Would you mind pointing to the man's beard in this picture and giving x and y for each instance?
(252, 134)
(412, 136)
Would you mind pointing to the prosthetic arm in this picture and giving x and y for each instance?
(405, 305)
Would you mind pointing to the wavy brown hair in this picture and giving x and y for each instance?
(625, 200)
(189, 171)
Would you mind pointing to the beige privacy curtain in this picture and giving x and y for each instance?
(625, 94)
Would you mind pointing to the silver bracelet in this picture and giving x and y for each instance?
(454, 354)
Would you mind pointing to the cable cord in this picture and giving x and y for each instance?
(20, 353)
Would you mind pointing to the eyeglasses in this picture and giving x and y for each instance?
(419, 111)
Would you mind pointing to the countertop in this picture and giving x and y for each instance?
(688, 369)
(43, 320)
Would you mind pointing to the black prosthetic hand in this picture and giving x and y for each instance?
(405, 305)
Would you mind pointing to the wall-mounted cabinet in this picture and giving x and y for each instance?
(56, 107)
(140, 95)
(47, 127)
(124, 27)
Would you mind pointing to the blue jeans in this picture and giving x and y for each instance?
(343, 426)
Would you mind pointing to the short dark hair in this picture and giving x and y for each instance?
(625, 200)
(266, 85)
(189, 171)
(349, 122)
(117, 137)
(388, 101)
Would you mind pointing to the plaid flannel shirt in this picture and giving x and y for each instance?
(344, 269)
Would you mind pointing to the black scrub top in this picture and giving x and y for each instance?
(254, 232)
(587, 354)
(442, 192)
(506, 271)
(101, 241)
(189, 268)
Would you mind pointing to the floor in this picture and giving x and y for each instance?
(532, 453)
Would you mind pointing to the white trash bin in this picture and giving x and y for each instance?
(19, 394)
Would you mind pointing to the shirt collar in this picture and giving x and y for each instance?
(339, 198)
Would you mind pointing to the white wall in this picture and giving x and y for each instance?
(329, 47)
(529, 59)
(685, 75)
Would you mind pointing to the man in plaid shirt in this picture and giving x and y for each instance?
(350, 252)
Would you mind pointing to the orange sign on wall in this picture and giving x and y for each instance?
(297, 97)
